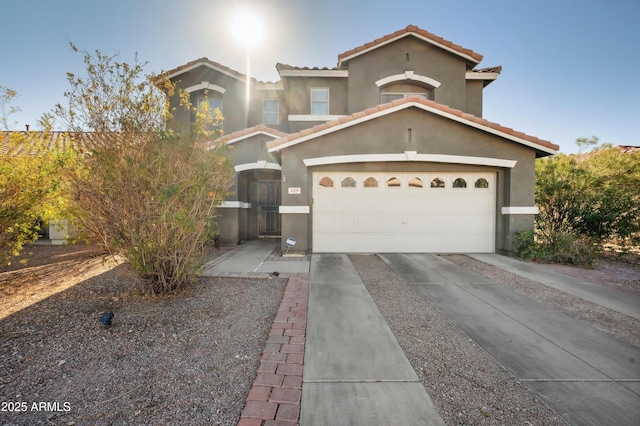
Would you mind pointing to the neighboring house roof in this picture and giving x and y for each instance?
(251, 131)
(410, 30)
(628, 149)
(417, 102)
(35, 141)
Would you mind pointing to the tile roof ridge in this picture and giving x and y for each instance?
(206, 60)
(249, 130)
(406, 31)
(409, 100)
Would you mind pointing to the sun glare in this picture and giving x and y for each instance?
(247, 27)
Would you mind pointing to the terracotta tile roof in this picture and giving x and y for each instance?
(241, 134)
(409, 30)
(628, 149)
(205, 61)
(496, 70)
(35, 141)
(281, 67)
(427, 105)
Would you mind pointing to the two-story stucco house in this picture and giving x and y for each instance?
(386, 152)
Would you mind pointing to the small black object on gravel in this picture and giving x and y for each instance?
(106, 318)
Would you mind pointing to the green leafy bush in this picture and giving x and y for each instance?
(585, 201)
(557, 247)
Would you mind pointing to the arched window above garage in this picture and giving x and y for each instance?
(371, 182)
(437, 183)
(348, 182)
(459, 183)
(327, 182)
(482, 183)
(393, 182)
(415, 182)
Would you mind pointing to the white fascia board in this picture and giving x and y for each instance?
(428, 40)
(258, 165)
(250, 135)
(309, 117)
(295, 209)
(234, 205)
(314, 73)
(519, 210)
(410, 156)
(205, 85)
(408, 75)
(416, 105)
(208, 65)
(481, 75)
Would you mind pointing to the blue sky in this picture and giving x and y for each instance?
(569, 67)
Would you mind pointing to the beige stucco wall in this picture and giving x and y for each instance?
(423, 58)
(430, 134)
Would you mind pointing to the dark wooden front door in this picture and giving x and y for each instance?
(269, 196)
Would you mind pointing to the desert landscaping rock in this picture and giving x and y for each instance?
(188, 358)
(467, 386)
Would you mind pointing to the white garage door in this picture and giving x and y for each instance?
(403, 212)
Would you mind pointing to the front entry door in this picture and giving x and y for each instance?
(269, 196)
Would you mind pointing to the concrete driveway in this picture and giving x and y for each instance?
(588, 376)
(355, 372)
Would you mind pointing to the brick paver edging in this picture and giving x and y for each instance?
(274, 399)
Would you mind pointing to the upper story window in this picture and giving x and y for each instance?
(320, 101)
(270, 111)
(214, 104)
(390, 97)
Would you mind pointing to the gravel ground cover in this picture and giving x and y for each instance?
(467, 385)
(187, 358)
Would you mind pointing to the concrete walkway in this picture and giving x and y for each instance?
(615, 300)
(587, 376)
(355, 373)
(255, 257)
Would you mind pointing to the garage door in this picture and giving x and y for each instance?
(404, 212)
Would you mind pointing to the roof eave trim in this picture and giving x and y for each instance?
(391, 40)
(481, 75)
(206, 64)
(410, 156)
(250, 135)
(419, 105)
(314, 73)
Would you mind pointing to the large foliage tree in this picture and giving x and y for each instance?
(143, 191)
(594, 195)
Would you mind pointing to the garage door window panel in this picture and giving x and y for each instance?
(459, 183)
(437, 183)
(326, 182)
(415, 182)
(348, 182)
(393, 182)
(371, 182)
(482, 183)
